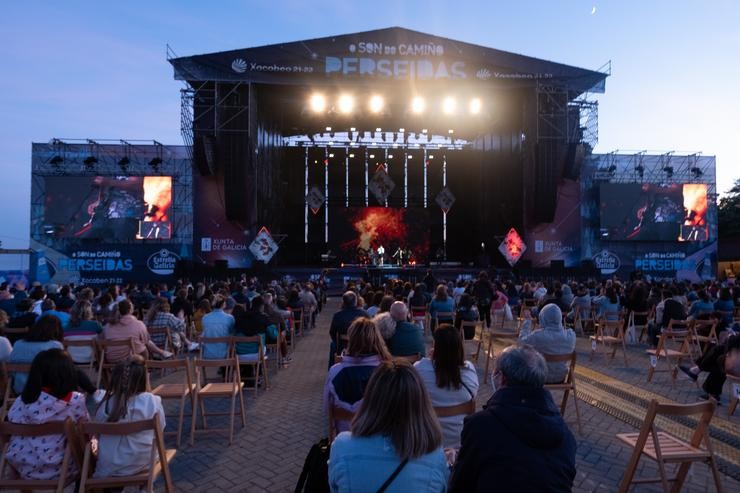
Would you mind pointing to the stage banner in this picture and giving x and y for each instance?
(315, 199)
(214, 236)
(381, 185)
(513, 247)
(101, 264)
(445, 199)
(561, 239)
(263, 247)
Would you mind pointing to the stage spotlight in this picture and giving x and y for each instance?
(668, 171)
(390, 156)
(418, 105)
(346, 103)
(56, 160)
(376, 104)
(318, 103)
(372, 156)
(90, 161)
(378, 129)
(475, 106)
(351, 156)
(401, 130)
(450, 131)
(331, 154)
(409, 156)
(612, 168)
(696, 171)
(328, 129)
(123, 162)
(424, 130)
(155, 162)
(449, 105)
(431, 156)
(640, 170)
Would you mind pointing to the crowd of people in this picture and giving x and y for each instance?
(395, 425)
(38, 325)
(385, 378)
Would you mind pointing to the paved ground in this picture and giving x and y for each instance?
(284, 421)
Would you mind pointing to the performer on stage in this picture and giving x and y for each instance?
(400, 255)
(381, 253)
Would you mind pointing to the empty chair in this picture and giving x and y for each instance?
(231, 387)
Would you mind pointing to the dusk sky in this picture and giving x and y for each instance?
(98, 69)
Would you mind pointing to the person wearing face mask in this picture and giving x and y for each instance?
(550, 338)
(520, 430)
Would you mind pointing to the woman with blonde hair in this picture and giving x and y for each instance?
(346, 381)
(395, 439)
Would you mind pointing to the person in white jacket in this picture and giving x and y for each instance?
(550, 338)
(127, 400)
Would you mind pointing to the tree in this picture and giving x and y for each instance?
(728, 213)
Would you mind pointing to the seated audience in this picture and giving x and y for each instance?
(127, 400)
(346, 380)
(45, 334)
(718, 360)
(607, 304)
(551, 337)
(124, 325)
(466, 312)
(204, 308)
(341, 321)
(408, 338)
(449, 379)
(82, 326)
(158, 316)
(702, 306)
(5, 346)
(395, 429)
(254, 322)
(217, 323)
(519, 442)
(50, 395)
(23, 316)
(725, 304)
(441, 303)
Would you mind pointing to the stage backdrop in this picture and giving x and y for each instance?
(357, 229)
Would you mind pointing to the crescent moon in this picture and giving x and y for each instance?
(593, 10)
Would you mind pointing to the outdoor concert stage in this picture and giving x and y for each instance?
(334, 147)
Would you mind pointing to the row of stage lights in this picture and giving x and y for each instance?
(91, 161)
(346, 104)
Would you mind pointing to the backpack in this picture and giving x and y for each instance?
(315, 474)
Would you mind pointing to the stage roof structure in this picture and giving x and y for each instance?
(385, 55)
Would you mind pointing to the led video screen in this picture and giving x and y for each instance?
(359, 232)
(653, 212)
(110, 209)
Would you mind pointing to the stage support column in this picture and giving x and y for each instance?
(305, 198)
(385, 165)
(346, 176)
(444, 212)
(326, 195)
(405, 179)
(426, 165)
(366, 178)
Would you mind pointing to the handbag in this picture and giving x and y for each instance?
(393, 476)
(315, 474)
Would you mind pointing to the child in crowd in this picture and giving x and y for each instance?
(49, 395)
(127, 400)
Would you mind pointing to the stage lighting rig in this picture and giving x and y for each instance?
(418, 105)
(155, 162)
(124, 162)
(668, 171)
(346, 104)
(697, 172)
(475, 106)
(318, 103)
(56, 160)
(640, 170)
(376, 104)
(90, 161)
(449, 105)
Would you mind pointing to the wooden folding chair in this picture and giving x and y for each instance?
(337, 414)
(734, 393)
(464, 409)
(14, 333)
(290, 327)
(204, 341)
(80, 345)
(568, 385)
(508, 333)
(527, 304)
(673, 347)
(163, 333)
(423, 320)
(232, 387)
(158, 462)
(298, 320)
(255, 360)
(642, 328)
(9, 396)
(72, 451)
(450, 316)
(665, 449)
(180, 391)
(469, 323)
(610, 335)
(103, 365)
(703, 333)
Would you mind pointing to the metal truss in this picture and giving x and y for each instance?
(560, 118)
(105, 157)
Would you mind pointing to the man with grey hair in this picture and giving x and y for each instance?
(408, 338)
(519, 442)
